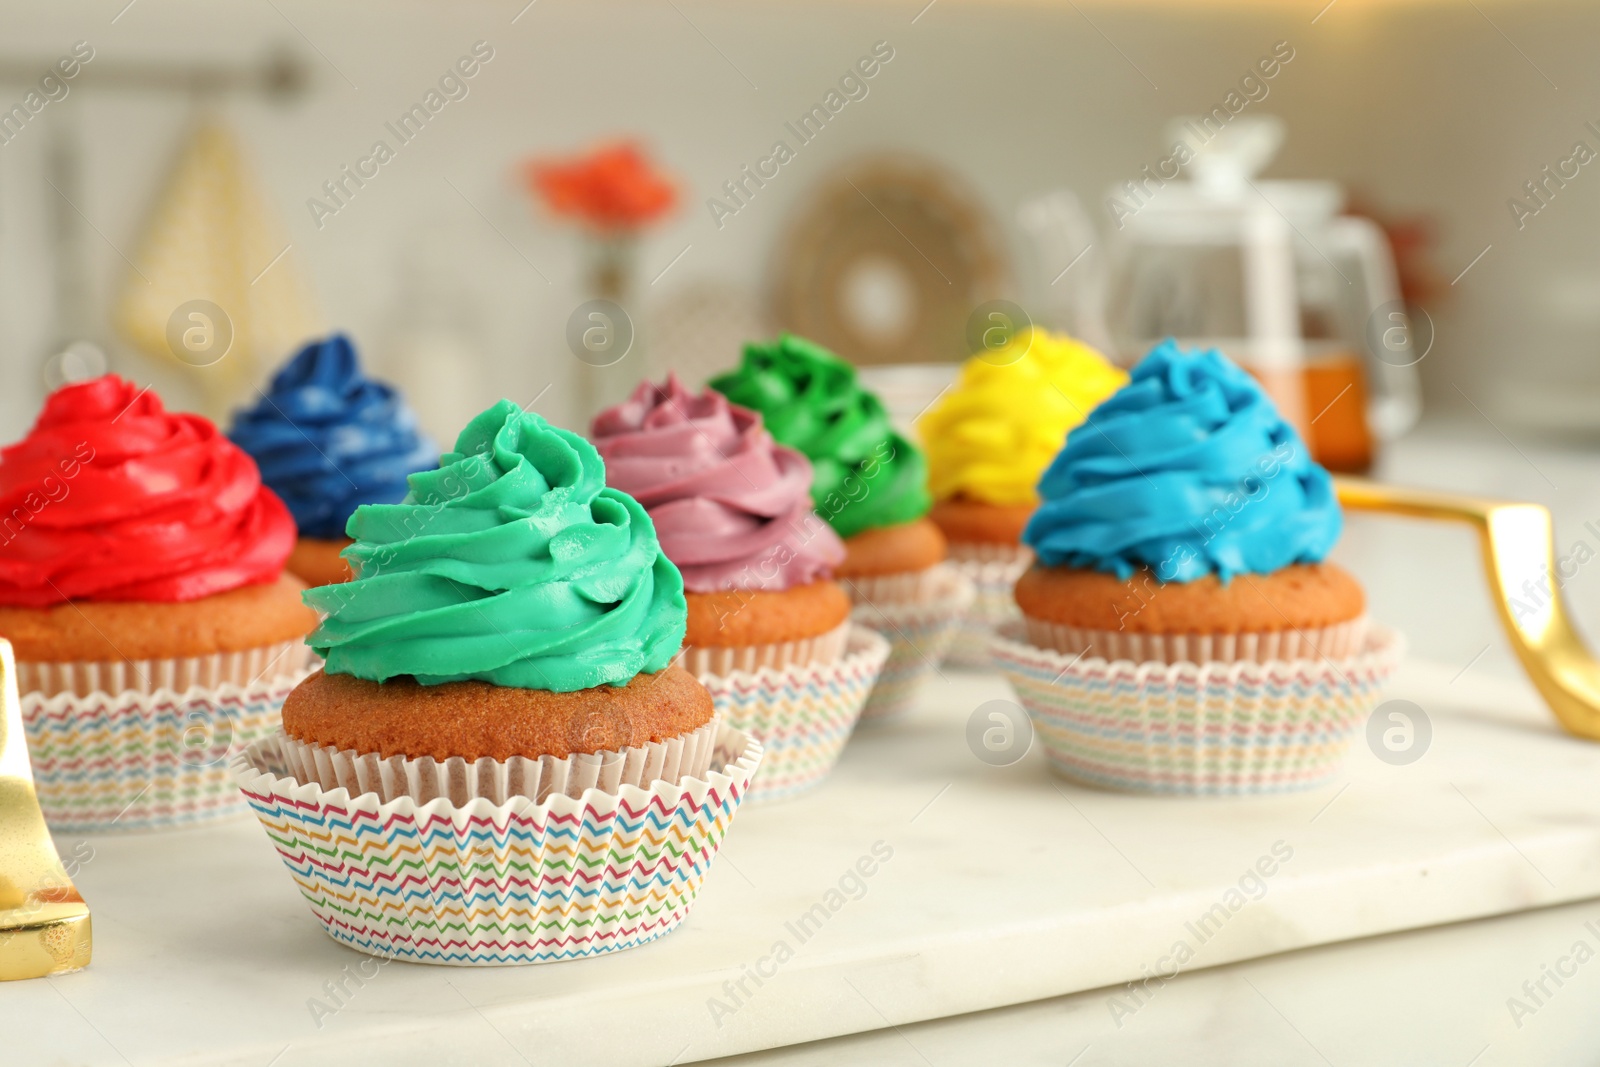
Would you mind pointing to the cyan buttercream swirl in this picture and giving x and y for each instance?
(1187, 470)
(327, 438)
(512, 563)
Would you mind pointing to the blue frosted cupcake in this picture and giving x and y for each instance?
(329, 439)
(1182, 629)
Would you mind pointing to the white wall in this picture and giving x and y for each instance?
(1424, 105)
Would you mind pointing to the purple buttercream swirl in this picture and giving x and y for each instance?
(731, 507)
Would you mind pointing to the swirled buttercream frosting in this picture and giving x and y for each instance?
(731, 506)
(112, 497)
(866, 474)
(992, 435)
(1188, 470)
(327, 438)
(512, 563)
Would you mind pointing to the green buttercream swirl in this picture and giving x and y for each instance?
(867, 475)
(512, 563)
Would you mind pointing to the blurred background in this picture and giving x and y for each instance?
(204, 152)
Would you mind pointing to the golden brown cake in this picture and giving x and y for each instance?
(907, 546)
(316, 561)
(1302, 596)
(474, 720)
(251, 616)
(739, 617)
(964, 520)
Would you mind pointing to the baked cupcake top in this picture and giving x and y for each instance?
(732, 507)
(1188, 470)
(512, 563)
(112, 497)
(990, 437)
(867, 475)
(328, 438)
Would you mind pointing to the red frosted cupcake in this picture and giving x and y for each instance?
(142, 588)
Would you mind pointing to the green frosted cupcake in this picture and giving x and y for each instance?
(871, 482)
(511, 607)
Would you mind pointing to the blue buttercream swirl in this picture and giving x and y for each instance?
(1188, 470)
(328, 439)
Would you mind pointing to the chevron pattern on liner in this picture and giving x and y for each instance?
(802, 714)
(919, 636)
(992, 605)
(139, 761)
(519, 882)
(1216, 728)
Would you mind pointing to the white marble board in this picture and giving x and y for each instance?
(1005, 885)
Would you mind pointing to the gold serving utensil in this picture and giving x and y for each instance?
(1519, 557)
(44, 923)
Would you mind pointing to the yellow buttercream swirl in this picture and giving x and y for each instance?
(992, 435)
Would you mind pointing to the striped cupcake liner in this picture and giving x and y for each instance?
(802, 714)
(144, 761)
(897, 588)
(717, 659)
(481, 883)
(460, 780)
(993, 571)
(177, 675)
(1197, 729)
(919, 635)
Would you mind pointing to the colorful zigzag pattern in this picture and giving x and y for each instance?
(993, 604)
(519, 882)
(802, 714)
(139, 761)
(1196, 729)
(919, 636)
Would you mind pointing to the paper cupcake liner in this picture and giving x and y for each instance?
(802, 714)
(1340, 641)
(919, 635)
(899, 588)
(481, 883)
(714, 659)
(143, 761)
(1197, 729)
(459, 780)
(1020, 556)
(178, 675)
(993, 571)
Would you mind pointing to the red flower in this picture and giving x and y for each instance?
(612, 188)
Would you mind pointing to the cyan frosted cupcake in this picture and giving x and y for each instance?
(329, 439)
(1182, 629)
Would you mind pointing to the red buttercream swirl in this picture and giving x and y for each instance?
(731, 507)
(112, 497)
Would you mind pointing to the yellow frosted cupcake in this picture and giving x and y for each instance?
(988, 440)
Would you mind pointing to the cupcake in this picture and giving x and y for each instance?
(870, 485)
(143, 591)
(327, 439)
(1182, 629)
(988, 439)
(502, 660)
(769, 631)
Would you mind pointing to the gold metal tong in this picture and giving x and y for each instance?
(1519, 557)
(44, 923)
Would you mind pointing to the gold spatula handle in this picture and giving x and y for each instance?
(44, 923)
(1519, 557)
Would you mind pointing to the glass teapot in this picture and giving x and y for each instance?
(1271, 273)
